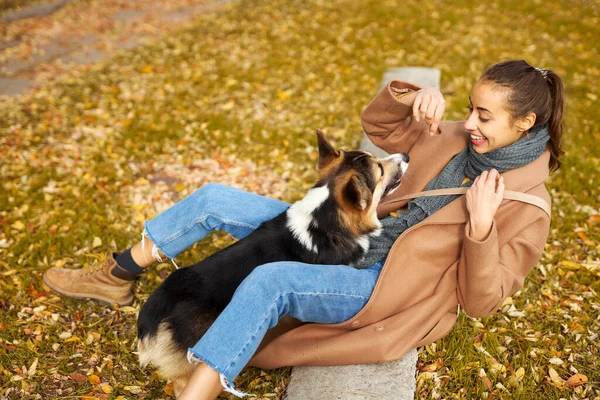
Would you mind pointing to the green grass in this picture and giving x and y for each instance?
(252, 83)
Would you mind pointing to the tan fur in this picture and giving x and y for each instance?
(161, 351)
(332, 166)
(357, 221)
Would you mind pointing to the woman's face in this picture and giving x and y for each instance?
(488, 121)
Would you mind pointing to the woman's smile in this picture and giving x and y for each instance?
(478, 140)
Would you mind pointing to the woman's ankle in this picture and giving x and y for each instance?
(143, 253)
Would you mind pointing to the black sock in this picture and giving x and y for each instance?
(129, 268)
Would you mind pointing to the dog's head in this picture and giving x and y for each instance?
(358, 181)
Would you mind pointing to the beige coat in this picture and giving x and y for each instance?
(434, 266)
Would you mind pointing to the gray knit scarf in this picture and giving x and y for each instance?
(467, 163)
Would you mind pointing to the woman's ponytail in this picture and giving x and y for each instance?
(555, 122)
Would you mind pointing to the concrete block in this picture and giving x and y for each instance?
(393, 380)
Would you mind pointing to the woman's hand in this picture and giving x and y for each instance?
(483, 199)
(429, 105)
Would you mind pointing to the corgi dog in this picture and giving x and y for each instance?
(332, 224)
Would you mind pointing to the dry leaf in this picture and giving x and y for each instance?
(18, 225)
(133, 389)
(554, 375)
(77, 377)
(33, 368)
(168, 389)
(97, 242)
(556, 361)
(577, 379)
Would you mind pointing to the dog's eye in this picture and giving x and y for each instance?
(380, 168)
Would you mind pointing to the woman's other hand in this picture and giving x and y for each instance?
(429, 105)
(483, 199)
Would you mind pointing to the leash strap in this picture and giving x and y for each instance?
(508, 195)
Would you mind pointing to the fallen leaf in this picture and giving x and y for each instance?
(94, 379)
(18, 225)
(168, 389)
(33, 368)
(577, 379)
(554, 375)
(97, 242)
(77, 377)
(520, 373)
(133, 389)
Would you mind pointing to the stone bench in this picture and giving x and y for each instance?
(393, 380)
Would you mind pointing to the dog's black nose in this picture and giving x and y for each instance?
(405, 157)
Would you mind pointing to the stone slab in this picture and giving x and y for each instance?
(423, 77)
(386, 381)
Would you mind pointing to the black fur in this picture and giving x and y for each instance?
(191, 298)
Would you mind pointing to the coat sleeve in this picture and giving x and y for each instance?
(488, 274)
(388, 121)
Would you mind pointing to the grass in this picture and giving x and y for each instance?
(245, 89)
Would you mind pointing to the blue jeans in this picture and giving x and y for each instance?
(310, 293)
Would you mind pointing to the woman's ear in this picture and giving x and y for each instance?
(525, 123)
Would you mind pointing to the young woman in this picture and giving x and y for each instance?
(443, 253)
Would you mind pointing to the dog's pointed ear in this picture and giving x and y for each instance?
(358, 193)
(326, 151)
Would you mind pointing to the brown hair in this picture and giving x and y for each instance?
(532, 90)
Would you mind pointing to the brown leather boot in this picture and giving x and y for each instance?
(103, 280)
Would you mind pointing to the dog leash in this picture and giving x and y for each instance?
(508, 195)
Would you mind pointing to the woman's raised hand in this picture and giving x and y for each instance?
(429, 105)
(483, 199)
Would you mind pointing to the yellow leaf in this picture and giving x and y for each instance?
(147, 69)
(554, 375)
(139, 217)
(18, 225)
(133, 389)
(97, 242)
(179, 187)
(10, 272)
(168, 389)
(107, 389)
(520, 373)
(128, 310)
(33, 368)
(60, 263)
(284, 95)
(94, 379)
(228, 106)
(569, 264)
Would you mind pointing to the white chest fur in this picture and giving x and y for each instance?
(300, 215)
